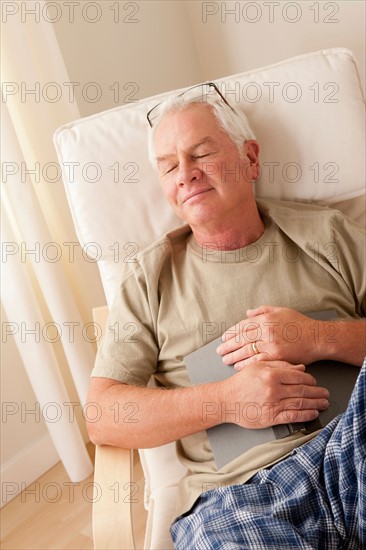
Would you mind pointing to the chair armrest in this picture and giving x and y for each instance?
(113, 497)
(113, 486)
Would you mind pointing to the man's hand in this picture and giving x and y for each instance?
(279, 333)
(266, 393)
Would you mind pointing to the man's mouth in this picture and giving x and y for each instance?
(196, 193)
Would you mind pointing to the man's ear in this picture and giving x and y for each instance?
(251, 149)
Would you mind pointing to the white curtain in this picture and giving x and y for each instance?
(39, 293)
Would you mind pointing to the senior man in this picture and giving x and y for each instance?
(306, 490)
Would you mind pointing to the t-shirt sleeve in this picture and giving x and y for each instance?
(349, 254)
(128, 351)
(335, 241)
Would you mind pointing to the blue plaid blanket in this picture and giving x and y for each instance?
(314, 500)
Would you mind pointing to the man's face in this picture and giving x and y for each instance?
(201, 172)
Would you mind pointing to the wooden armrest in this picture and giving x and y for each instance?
(113, 497)
(114, 488)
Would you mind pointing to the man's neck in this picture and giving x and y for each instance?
(229, 236)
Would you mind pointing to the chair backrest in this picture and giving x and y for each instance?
(308, 115)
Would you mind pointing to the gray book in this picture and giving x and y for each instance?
(228, 440)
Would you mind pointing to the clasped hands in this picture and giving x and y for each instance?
(272, 374)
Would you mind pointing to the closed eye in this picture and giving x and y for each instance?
(173, 167)
(167, 169)
(203, 155)
(170, 169)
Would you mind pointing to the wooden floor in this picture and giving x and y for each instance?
(53, 513)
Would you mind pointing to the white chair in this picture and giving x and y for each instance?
(308, 115)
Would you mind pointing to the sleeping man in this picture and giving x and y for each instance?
(249, 267)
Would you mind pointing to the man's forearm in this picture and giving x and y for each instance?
(343, 340)
(135, 417)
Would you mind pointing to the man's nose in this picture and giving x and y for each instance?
(187, 174)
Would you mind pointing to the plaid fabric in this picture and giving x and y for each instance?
(314, 499)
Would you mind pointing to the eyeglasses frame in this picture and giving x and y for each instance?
(211, 84)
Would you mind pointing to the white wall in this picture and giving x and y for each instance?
(233, 37)
(18, 400)
(150, 46)
(26, 447)
(149, 49)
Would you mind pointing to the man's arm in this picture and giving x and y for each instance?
(285, 334)
(135, 417)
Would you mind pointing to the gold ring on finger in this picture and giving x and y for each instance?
(254, 348)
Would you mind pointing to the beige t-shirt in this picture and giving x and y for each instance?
(179, 296)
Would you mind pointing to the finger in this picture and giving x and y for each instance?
(229, 345)
(232, 333)
(258, 358)
(302, 391)
(297, 410)
(263, 358)
(237, 332)
(236, 344)
(243, 352)
(295, 407)
(299, 367)
(291, 377)
(291, 416)
(261, 310)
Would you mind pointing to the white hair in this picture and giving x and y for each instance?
(234, 123)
